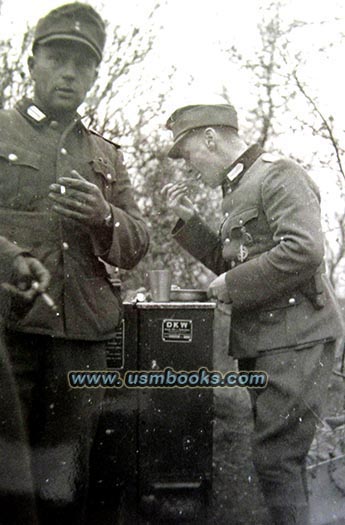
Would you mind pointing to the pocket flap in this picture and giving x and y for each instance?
(103, 167)
(19, 156)
(242, 218)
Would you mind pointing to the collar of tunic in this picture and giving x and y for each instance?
(234, 173)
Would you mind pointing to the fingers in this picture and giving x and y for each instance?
(219, 293)
(174, 192)
(172, 186)
(76, 198)
(71, 213)
(26, 271)
(22, 277)
(61, 191)
(210, 293)
(78, 184)
(26, 295)
(75, 182)
(39, 273)
(187, 202)
(72, 203)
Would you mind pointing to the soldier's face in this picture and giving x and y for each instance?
(198, 156)
(63, 73)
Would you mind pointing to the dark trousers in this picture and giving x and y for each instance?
(285, 416)
(17, 496)
(61, 421)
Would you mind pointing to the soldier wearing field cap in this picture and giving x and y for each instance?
(269, 260)
(66, 199)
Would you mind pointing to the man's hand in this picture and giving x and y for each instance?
(26, 271)
(177, 200)
(79, 199)
(218, 290)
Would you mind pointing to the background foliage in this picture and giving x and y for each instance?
(128, 104)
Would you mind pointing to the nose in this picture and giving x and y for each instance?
(69, 69)
(193, 173)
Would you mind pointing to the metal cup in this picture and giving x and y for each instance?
(160, 284)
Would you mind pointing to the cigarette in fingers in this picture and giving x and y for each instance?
(62, 190)
(49, 301)
(45, 297)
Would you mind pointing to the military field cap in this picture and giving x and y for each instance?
(187, 118)
(74, 22)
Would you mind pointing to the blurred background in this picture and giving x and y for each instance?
(279, 62)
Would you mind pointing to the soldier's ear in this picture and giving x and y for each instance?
(31, 66)
(95, 74)
(31, 63)
(210, 138)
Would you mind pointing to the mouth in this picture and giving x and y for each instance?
(191, 182)
(65, 91)
(193, 172)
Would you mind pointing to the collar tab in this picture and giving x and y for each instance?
(31, 112)
(234, 173)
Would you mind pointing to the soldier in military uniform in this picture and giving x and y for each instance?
(17, 498)
(65, 198)
(269, 260)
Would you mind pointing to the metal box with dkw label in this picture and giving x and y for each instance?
(155, 440)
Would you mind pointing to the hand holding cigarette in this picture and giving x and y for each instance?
(25, 271)
(177, 200)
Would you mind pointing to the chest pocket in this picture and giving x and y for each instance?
(19, 176)
(237, 234)
(105, 175)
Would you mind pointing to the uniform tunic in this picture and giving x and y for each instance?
(271, 246)
(34, 152)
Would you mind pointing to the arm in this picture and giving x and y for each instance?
(202, 242)
(191, 232)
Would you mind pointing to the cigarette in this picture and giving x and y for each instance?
(45, 297)
(62, 190)
(190, 182)
(187, 183)
(49, 301)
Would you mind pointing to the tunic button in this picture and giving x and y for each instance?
(240, 221)
(65, 246)
(226, 214)
(54, 124)
(12, 157)
(109, 177)
(63, 151)
(292, 300)
(117, 224)
(227, 240)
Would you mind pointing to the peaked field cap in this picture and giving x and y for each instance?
(188, 118)
(76, 22)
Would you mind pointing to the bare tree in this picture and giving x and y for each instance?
(274, 69)
(324, 127)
